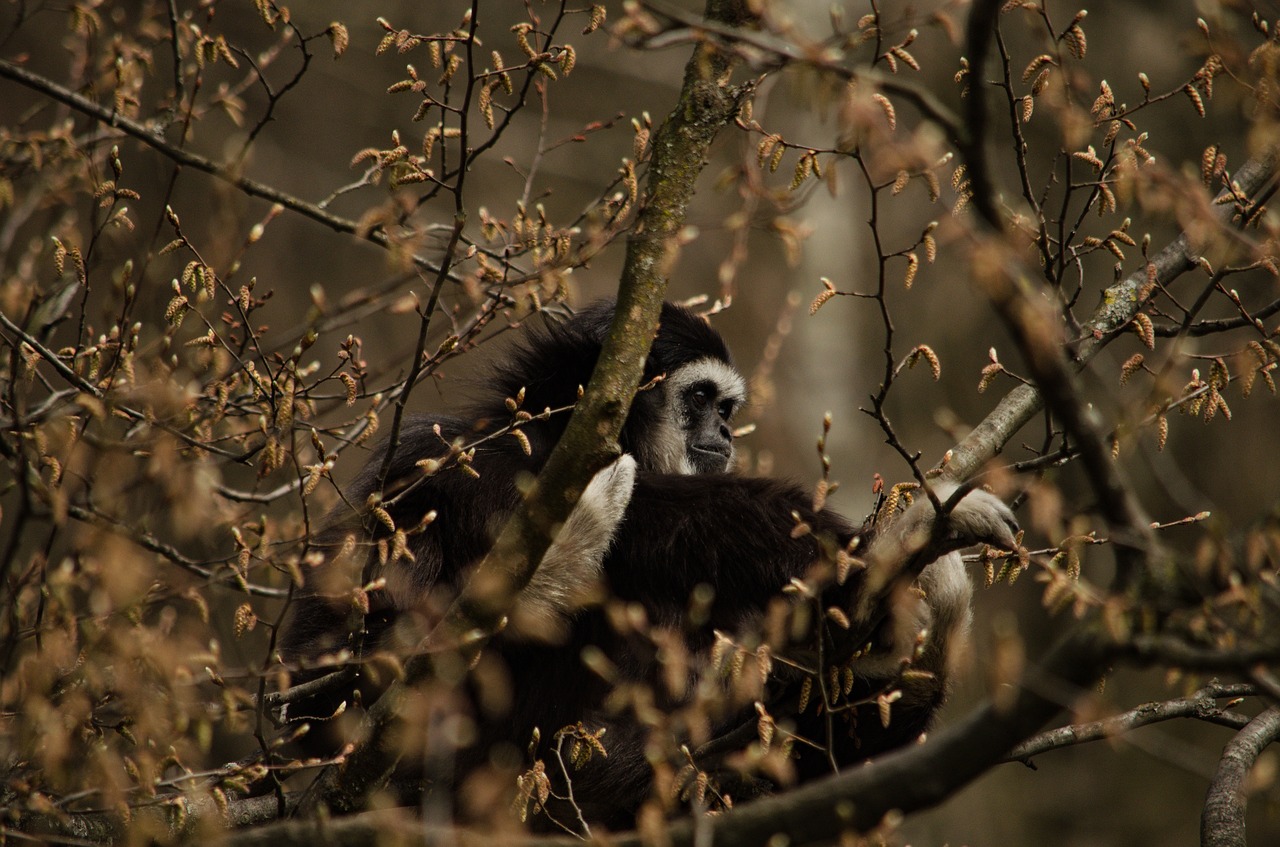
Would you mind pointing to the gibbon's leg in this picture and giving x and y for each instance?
(571, 568)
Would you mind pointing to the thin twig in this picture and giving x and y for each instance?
(182, 156)
(1202, 705)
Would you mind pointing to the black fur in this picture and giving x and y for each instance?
(734, 534)
(731, 533)
(549, 365)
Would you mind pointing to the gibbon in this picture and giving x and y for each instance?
(667, 552)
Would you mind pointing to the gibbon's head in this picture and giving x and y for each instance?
(681, 424)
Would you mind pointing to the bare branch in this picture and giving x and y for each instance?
(182, 156)
(1222, 823)
(1202, 705)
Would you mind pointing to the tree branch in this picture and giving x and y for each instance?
(1202, 705)
(820, 812)
(1119, 303)
(182, 156)
(371, 829)
(1222, 822)
(707, 102)
(184, 817)
(910, 779)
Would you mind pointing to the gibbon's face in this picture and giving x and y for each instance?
(702, 396)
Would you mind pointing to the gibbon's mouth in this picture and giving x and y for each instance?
(710, 458)
(721, 450)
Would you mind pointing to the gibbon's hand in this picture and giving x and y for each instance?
(571, 569)
(979, 518)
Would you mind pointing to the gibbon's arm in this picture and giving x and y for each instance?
(979, 518)
(919, 626)
(739, 535)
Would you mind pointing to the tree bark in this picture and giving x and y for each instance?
(1222, 822)
(707, 102)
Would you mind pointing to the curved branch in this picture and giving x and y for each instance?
(783, 50)
(1222, 822)
(1212, 326)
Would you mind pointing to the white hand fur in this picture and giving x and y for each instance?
(571, 567)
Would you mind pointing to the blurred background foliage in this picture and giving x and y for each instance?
(756, 251)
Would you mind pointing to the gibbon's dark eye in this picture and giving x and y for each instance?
(699, 398)
(725, 409)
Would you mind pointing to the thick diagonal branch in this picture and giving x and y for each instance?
(707, 102)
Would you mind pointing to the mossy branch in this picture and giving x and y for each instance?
(708, 101)
(1118, 305)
